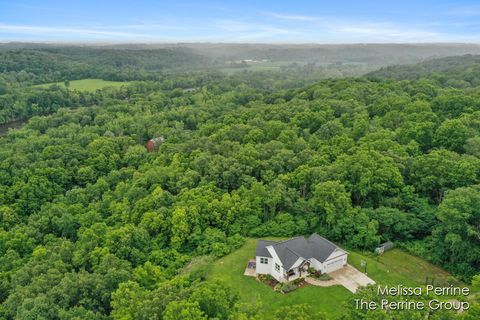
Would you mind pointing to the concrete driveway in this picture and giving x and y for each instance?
(351, 278)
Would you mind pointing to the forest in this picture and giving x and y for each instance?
(92, 226)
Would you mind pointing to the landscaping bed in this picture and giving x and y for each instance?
(319, 275)
(268, 280)
(282, 287)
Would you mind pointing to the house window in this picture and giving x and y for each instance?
(264, 260)
(277, 267)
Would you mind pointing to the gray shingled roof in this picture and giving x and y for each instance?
(322, 248)
(262, 248)
(290, 250)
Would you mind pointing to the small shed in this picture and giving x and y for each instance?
(154, 143)
(384, 247)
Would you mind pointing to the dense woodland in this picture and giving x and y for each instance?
(456, 72)
(94, 227)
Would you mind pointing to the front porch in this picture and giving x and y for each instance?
(298, 272)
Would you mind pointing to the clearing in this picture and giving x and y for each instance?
(86, 84)
(230, 269)
(398, 267)
(393, 268)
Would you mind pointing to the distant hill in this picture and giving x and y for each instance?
(15, 58)
(36, 64)
(377, 55)
(372, 54)
(458, 71)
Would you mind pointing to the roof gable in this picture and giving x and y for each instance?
(262, 248)
(321, 247)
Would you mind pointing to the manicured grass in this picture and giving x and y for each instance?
(230, 268)
(86, 84)
(398, 267)
(393, 268)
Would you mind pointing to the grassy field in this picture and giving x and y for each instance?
(393, 268)
(398, 267)
(86, 84)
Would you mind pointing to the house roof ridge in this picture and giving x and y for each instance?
(265, 240)
(323, 238)
(295, 253)
(287, 240)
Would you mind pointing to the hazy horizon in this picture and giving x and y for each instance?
(153, 43)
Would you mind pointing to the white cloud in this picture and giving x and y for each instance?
(330, 30)
(311, 29)
(383, 30)
(66, 31)
(290, 17)
(235, 30)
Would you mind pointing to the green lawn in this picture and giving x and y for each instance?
(398, 267)
(86, 84)
(393, 268)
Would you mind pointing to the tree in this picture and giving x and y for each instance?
(472, 146)
(214, 299)
(180, 227)
(457, 237)
(332, 201)
(452, 135)
(298, 312)
(368, 175)
(434, 173)
(183, 310)
(127, 301)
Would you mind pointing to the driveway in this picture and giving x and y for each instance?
(351, 278)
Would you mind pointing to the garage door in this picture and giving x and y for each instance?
(334, 265)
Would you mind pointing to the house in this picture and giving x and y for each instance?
(290, 259)
(154, 143)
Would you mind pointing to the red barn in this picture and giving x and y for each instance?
(154, 143)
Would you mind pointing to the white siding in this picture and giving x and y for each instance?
(262, 268)
(297, 263)
(276, 260)
(335, 263)
(317, 265)
(336, 253)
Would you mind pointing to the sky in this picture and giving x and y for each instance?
(269, 21)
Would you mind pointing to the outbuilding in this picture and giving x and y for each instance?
(154, 143)
(384, 247)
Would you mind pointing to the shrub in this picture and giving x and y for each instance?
(311, 270)
(298, 281)
(288, 287)
(278, 287)
(269, 277)
(325, 277)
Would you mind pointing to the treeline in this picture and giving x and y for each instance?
(54, 64)
(21, 103)
(94, 227)
(371, 54)
(454, 72)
